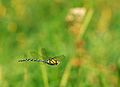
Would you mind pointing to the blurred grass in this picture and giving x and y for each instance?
(91, 46)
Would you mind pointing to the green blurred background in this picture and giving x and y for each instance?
(87, 32)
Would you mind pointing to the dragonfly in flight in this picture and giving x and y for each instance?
(48, 60)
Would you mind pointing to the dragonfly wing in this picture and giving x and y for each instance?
(59, 57)
(34, 54)
(44, 53)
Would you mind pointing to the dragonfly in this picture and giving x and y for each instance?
(46, 59)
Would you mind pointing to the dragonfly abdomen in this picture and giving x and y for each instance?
(30, 60)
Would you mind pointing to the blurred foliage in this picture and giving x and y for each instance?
(88, 37)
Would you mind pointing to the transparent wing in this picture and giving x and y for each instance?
(59, 57)
(34, 54)
(44, 53)
(46, 57)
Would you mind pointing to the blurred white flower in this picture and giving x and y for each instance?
(75, 14)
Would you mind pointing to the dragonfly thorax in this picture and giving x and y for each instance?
(52, 61)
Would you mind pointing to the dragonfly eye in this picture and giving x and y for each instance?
(58, 62)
